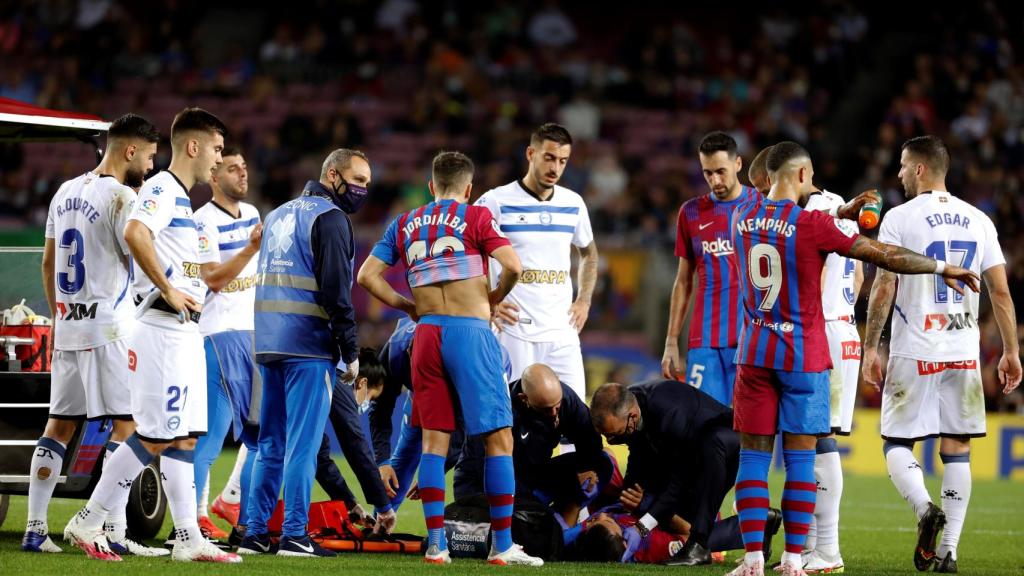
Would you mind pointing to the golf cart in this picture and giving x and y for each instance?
(25, 395)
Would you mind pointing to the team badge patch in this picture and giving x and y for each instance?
(173, 422)
(133, 360)
(148, 206)
(156, 190)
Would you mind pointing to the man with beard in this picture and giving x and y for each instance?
(539, 321)
(86, 271)
(229, 241)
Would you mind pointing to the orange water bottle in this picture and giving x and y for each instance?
(870, 214)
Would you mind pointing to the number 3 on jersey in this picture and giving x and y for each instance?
(938, 250)
(72, 280)
(765, 267)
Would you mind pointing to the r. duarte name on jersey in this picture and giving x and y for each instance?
(766, 224)
(445, 219)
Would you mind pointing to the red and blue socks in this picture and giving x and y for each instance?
(752, 501)
(500, 486)
(798, 499)
(431, 484)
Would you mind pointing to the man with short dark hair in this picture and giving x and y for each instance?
(783, 359)
(161, 234)
(86, 271)
(683, 455)
(539, 321)
(933, 381)
(704, 248)
(444, 246)
(305, 323)
(757, 173)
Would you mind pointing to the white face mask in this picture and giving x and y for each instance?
(364, 406)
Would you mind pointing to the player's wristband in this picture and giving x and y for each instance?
(648, 523)
(940, 266)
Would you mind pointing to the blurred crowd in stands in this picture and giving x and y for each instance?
(637, 88)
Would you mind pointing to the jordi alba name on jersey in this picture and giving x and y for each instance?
(542, 233)
(837, 296)
(440, 242)
(93, 268)
(221, 238)
(780, 250)
(163, 206)
(703, 237)
(930, 320)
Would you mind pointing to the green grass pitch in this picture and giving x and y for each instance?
(877, 535)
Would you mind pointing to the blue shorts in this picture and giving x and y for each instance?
(712, 371)
(457, 356)
(230, 364)
(770, 401)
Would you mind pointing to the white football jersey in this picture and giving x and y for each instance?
(92, 267)
(163, 206)
(541, 233)
(221, 237)
(931, 321)
(837, 296)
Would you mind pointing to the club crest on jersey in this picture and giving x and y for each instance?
(173, 422)
(947, 322)
(281, 232)
(717, 247)
(156, 190)
(545, 218)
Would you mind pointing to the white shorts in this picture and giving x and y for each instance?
(91, 383)
(845, 350)
(168, 373)
(566, 359)
(928, 399)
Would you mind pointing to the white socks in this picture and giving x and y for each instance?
(232, 493)
(117, 520)
(43, 473)
(204, 500)
(956, 494)
(828, 472)
(115, 483)
(180, 487)
(907, 476)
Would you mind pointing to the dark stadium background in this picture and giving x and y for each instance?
(637, 84)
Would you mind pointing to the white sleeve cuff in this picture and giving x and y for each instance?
(649, 522)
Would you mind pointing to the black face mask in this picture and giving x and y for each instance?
(626, 433)
(353, 198)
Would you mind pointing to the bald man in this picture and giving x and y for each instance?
(544, 411)
(757, 173)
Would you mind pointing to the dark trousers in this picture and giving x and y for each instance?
(717, 459)
(344, 418)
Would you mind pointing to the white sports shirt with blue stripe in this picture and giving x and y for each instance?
(163, 206)
(542, 233)
(92, 268)
(221, 238)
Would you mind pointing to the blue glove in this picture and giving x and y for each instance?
(633, 542)
(589, 489)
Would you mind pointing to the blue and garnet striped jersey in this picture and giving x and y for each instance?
(441, 241)
(703, 238)
(780, 251)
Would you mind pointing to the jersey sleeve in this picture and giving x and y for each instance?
(155, 211)
(683, 247)
(50, 223)
(486, 234)
(829, 233)
(386, 249)
(584, 234)
(993, 252)
(490, 202)
(889, 232)
(120, 209)
(209, 247)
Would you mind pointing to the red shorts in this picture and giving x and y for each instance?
(767, 401)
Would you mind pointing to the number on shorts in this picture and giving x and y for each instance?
(771, 282)
(72, 280)
(697, 375)
(417, 249)
(174, 394)
(938, 250)
(849, 267)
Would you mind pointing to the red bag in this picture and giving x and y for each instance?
(35, 357)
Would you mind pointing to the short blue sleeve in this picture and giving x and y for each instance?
(386, 249)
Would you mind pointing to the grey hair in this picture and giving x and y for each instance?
(340, 159)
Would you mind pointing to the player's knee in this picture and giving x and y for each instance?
(185, 444)
(122, 430)
(60, 430)
(897, 443)
(498, 442)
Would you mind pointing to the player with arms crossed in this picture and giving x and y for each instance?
(444, 246)
(841, 280)
(165, 354)
(229, 242)
(539, 321)
(86, 272)
(933, 383)
(782, 361)
(704, 246)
